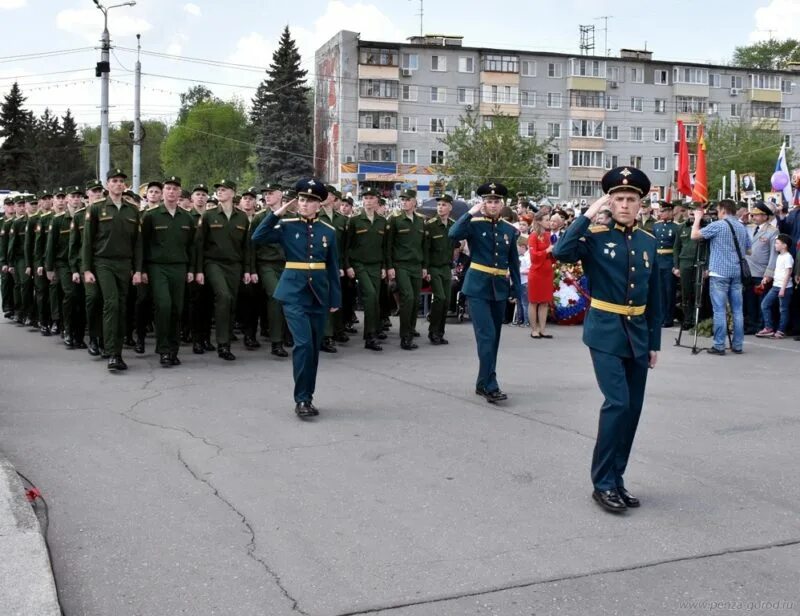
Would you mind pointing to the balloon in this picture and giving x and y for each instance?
(779, 180)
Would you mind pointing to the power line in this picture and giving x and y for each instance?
(44, 54)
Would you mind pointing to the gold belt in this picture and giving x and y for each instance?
(494, 271)
(665, 251)
(631, 311)
(301, 265)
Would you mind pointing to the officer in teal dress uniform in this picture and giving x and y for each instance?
(309, 286)
(623, 326)
(666, 233)
(492, 278)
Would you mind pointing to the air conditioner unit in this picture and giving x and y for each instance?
(468, 107)
(348, 159)
(406, 72)
(613, 84)
(735, 91)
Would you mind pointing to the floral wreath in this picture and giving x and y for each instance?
(570, 300)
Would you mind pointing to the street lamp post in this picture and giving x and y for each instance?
(102, 71)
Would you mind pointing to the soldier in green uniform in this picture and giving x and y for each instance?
(200, 297)
(40, 282)
(23, 284)
(646, 221)
(29, 253)
(140, 301)
(223, 258)
(56, 291)
(111, 249)
(404, 257)
(59, 272)
(666, 232)
(267, 265)
(329, 212)
(684, 267)
(6, 279)
(248, 306)
(437, 266)
(168, 233)
(364, 261)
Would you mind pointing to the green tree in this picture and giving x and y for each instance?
(477, 153)
(193, 97)
(767, 55)
(741, 146)
(73, 169)
(46, 157)
(121, 143)
(17, 130)
(211, 144)
(282, 118)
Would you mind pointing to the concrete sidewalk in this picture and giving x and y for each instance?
(28, 588)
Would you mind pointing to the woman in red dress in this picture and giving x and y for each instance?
(540, 276)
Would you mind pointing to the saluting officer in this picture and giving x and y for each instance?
(309, 286)
(364, 261)
(666, 233)
(404, 255)
(166, 257)
(223, 259)
(111, 249)
(623, 326)
(437, 266)
(492, 278)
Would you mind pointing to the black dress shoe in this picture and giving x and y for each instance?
(207, 346)
(112, 364)
(165, 360)
(443, 340)
(435, 340)
(129, 342)
(45, 330)
(197, 348)
(328, 346)
(79, 344)
(381, 336)
(609, 500)
(408, 344)
(350, 330)
(121, 365)
(68, 342)
(305, 409)
(415, 333)
(224, 352)
(104, 354)
(715, 351)
(278, 350)
(492, 396)
(341, 338)
(373, 345)
(629, 499)
(93, 348)
(139, 347)
(173, 358)
(250, 343)
(55, 329)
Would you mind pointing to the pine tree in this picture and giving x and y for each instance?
(72, 169)
(45, 155)
(283, 115)
(16, 130)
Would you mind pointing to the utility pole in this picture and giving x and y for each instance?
(605, 18)
(102, 70)
(137, 117)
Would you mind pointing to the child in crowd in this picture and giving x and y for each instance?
(521, 315)
(781, 290)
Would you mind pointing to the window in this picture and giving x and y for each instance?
(713, 108)
(553, 160)
(637, 75)
(439, 63)
(659, 163)
(553, 189)
(637, 133)
(715, 80)
(554, 130)
(377, 153)
(377, 119)
(527, 98)
(765, 82)
(528, 68)
(585, 188)
(380, 57)
(787, 140)
(378, 88)
(437, 157)
(466, 64)
(736, 110)
(636, 161)
(660, 135)
(438, 94)
(502, 95)
(786, 114)
(612, 103)
(690, 104)
(586, 99)
(587, 128)
(661, 105)
(612, 161)
(488, 122)
(691, 132)
(554, 99)
(613, 74)
(637, 104)
(408, 124)
(661, 77)
(736, 82)
(786, 86)
(499, 63)
(408, 93)
(527, 129)
(687, 74)
(555, 70)
(582, 67)
(612, 133)
(586, 158)
(437, 125)
(466, 96)
(410, 61)
(408, 157)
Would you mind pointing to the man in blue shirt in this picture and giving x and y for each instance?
(725, 271)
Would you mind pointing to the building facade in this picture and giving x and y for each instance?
(381, 110)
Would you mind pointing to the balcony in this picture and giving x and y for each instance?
(591, 84)
(377, 135)
(372, 71)
(757, 95)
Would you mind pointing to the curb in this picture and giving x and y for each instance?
(27, 587)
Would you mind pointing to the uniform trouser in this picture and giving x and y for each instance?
(167, 283)
(201, 297)
(688, 275)
(224, 280)
(440, 290)
(751, 305)
(487, 321)
(114, 278)
(42, 286)
(667, 281)
(622, 381)
(308, 327)
(386, 301)
(369, 281)
(143, 309)
(73, 304)
(7, 291)
(348, 311)
(94, 309)
(56, 298)
(23, 287)
(409, 284)
(248, 308)
(268, 275)
(334, 326)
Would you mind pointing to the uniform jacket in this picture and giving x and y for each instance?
(222, 239)
(685, 253)
(111, 232)
(76, 241)
(167, 239)
(365, 240)
(265, 253)
(56, 250)
(437, 248)
(665, 233)
(620, 265)
(404, 240)
(762, 255)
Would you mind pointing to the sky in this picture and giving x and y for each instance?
(60, 39)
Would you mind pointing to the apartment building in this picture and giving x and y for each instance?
(382, 108)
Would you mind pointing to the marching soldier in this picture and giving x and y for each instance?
(166, 257)
(666, 232)
(41, 284)
(364, 262)
(329, 212)
(404, 256)
(492, 278)
(348, 311)
(437, 266)
(248, 306)
(23, 285)
(200, 297)
(223, 258)
(56, 291)
(30, 268)
(111, 249)
(6, 279)
(623, 326)
(309, 286)
(646, 221)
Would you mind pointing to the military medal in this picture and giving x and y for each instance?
(505, 237)
(610, 250)
(324, 241)
(297, 236)
(646, 259)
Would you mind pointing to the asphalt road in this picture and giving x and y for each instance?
(195, 490)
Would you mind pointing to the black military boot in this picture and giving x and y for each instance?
(165, 360)
(277, 349)
(207, 346)
(139, 346)
(94, 347)
(372, 344)
(224, 352)
(328, 346)
(197, 348)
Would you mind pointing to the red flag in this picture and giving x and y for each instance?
(700, 190)
(684, 180)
